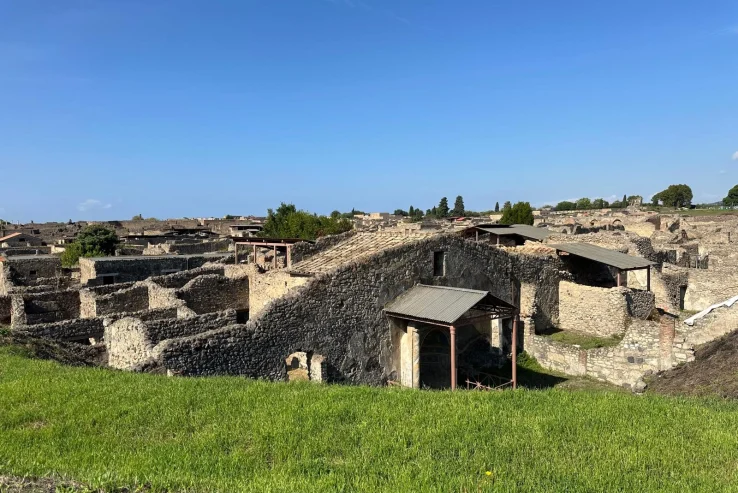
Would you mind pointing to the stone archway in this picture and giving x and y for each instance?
(435, 360)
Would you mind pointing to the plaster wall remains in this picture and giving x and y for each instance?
(269, 286)
(706, 287)
(717, 323)
(339, 314)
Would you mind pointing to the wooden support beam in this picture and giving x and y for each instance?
(620, 281)
(452, 330)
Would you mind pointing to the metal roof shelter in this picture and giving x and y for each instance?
(522, 230)
(447, 307)
(612, 258)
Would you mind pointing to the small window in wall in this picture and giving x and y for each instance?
(108, 280)
(439, 264)
(682, 295)
(32, 273)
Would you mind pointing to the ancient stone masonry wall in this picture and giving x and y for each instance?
(214, 293)
(133, 299)
(6, 308)
(269, 286)
(647, 347)
(177, 280)
(717, 323)
(128, 269)
(598, 311)
(51, 306)
(28, 268)
(340, 315)
(85, 328)
(130, 341)
(706, 287)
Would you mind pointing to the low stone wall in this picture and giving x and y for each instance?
(130, 341)
(717, 323)
(214, 293)
(647, 347)
(133, 299)
(51, 306)
(640, 303)
(178, 280)
(601, 312)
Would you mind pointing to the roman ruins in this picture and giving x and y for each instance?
(413, 304)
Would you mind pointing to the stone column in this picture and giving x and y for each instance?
(410, 358)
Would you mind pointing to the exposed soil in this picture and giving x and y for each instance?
(713, 372)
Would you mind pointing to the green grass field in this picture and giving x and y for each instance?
(114, 429)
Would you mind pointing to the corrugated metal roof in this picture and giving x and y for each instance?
(603, 255)
(518, 229)
(438, 303)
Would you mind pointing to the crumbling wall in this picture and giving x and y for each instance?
(647, 347)
(178, 280)
(213, 293)
(340, 316)
(130, 341)
(706, 287)
(717, 323)
(24, 268)
(269, 286)
(51, 306)
(597, 311)
(133, 299)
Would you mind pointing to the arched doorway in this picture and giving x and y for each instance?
(435, 360)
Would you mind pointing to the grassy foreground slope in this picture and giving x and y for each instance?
(107, 428)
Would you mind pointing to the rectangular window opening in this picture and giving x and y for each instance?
(439, 264)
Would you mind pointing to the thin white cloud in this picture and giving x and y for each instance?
(735, 156)
(722, 172)
(92, 204)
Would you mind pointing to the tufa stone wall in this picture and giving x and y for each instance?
(340, 316)
(132, 299)
(269, 286)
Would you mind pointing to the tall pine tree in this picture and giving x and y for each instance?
(458, 209)
(497, 207)
(442, 210)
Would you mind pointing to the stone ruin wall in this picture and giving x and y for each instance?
(131, 342)
(269, 286)
(6, 307)
(213, 293)
(339, 315)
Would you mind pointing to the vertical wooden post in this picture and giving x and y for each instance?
(289, 256)
(452, 329)
(274, 260)
(254, 253)
(515, 352)
(648, 278)
(619, 280)
(235, 251)
(476, 233)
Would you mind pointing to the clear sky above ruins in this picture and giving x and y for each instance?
(110, 108)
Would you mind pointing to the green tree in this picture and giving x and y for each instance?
(458, 209)
(674, 196)
(600, 204)
(520, 213)
(625, 201)
(137, 217)
(400, 212)
(583, 204)
(93, 241)
(442, 210)
(497, 207)
(288, 222)
(507, 205)
(731, 200)
(565, 205)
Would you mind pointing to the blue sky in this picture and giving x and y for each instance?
(110, 108)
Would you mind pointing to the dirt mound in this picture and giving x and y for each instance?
(714, 371)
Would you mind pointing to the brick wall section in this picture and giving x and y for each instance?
(214, 293)
(340, 316)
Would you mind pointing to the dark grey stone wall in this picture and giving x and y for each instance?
(51, 306)
(340, 315)
(179, 279)
(5, 310)
(214, 293)
(159, 330)
(132, 299)
(640, 303)
(23, 269)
